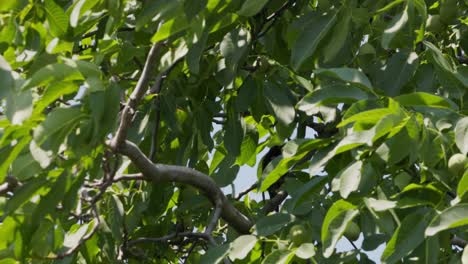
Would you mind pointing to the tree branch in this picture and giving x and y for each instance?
(273, 17)
(135, 97)
(167, 238)
(457, 241)
(216, 215)
(274, 202)
(184, 175)
(246, 191)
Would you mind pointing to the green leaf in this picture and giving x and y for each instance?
(234, 134)
(104, 107)
(270, 224)
(463, 185)
(339, 35)
(6, 77)
(79, 8)
(406, 238)
(49, 202)
(241, 247)
(340, 214)
(370, 116)
(75, 236)
(350, 178)
(25, 167)
(279, 100)
(305, 251)
(116, 217)
(399, 70)
(417, 195)
(248, 148)
(19, 106)
(313, 186)
(234, 45)
(170, 28)
(57, 72)
(314, 30)
(451, 217)
(250, 8)
(439, 58)
(57, 125)
(279, 257)
(329, 95)
(58, 20)
(160, 10)
(53, 92)
(423, 99)
(17, 148)
(379, 205)
(461, 135)
(347, 75)
(43, 157)
(396, 26)
(282, 165)
(215, 254)
(24, 194)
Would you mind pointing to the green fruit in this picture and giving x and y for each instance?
(298, 234)
(448, 11)
(352, 232)
(457, 163)
(433, 24)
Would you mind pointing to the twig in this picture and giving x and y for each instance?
(167, 238)
(241, 194)
(129, 177)
(273, 17)
(275, 202)
(136, 96)
(216, 215)
(352, 244)
(192, 247)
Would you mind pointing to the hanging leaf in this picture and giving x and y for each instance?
(461, 135)
(313, 30)
(242, 246)
(57, 18)
(406, 238)
(451, 217)
(340, 214)
(250, 8)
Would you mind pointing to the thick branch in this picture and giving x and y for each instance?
(180, 174)
(135, 97)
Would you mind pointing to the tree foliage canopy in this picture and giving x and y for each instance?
(121, 120)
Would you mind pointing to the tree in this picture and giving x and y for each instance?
(121, 120)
